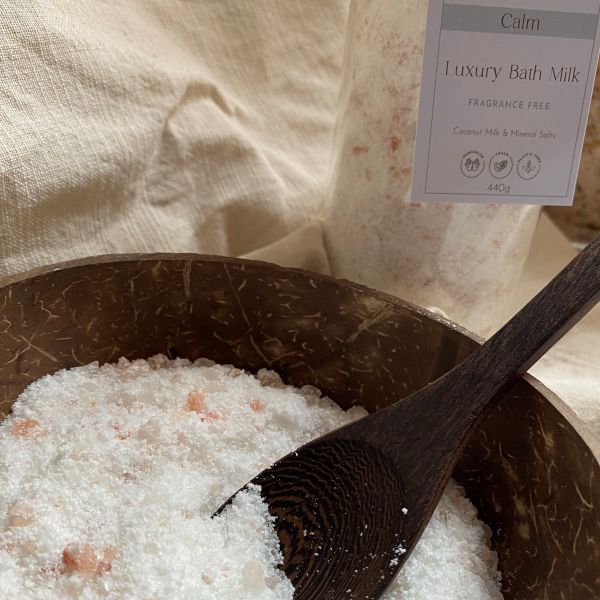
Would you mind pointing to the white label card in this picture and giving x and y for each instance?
(505, 94)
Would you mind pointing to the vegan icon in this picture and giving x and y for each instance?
(501, 165)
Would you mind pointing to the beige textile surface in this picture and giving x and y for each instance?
(153, 125)
(196, 126)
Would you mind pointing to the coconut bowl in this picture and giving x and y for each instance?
(532, 470)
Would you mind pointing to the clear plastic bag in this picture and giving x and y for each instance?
(464, 259)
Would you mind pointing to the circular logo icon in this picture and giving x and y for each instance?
(529, 165)
(472, 164)
(501, 164)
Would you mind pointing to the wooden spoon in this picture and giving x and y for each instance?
(350, 506)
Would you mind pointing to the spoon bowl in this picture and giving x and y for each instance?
(321, 497)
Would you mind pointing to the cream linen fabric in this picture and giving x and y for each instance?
(193, 126)
(154, 125)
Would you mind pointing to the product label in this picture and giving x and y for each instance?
(505, 93)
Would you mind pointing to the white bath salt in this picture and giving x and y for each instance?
(110, 475)
(453, 559)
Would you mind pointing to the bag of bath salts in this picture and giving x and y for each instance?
(464, 259)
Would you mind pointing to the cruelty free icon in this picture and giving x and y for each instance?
(472, 164)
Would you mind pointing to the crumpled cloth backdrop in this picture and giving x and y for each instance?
(194, 126)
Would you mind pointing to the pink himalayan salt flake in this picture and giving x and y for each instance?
(29, 428)
(256, 405)
(86, 561)
(210, 416)
(195, 402)
(20, 515)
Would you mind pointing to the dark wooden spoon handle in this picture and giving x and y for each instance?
(533, 330)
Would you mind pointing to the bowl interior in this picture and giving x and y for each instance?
(530, 474)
